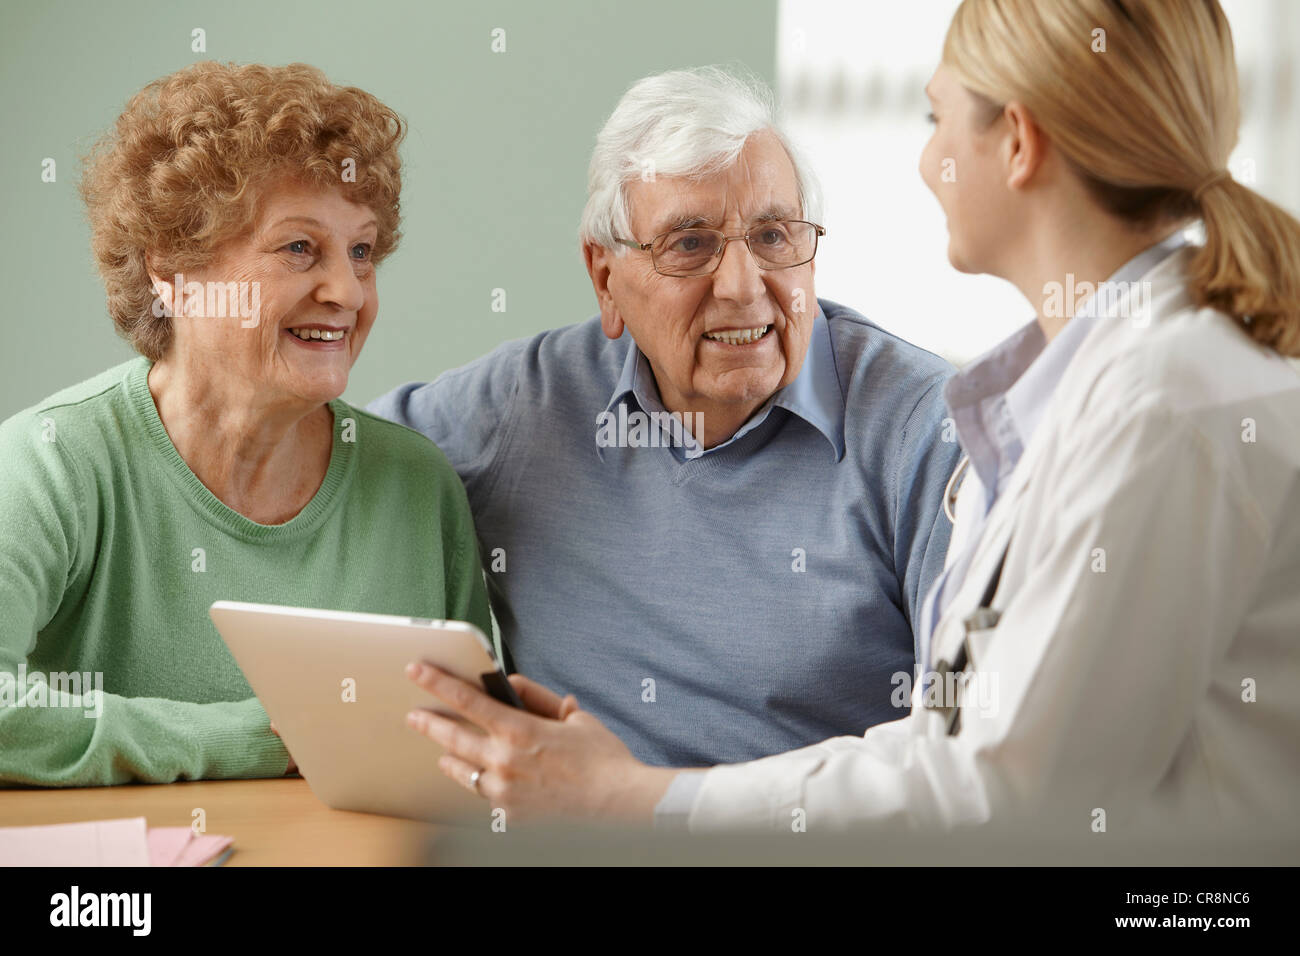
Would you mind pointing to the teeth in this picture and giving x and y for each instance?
(323, 335)
(738, 336)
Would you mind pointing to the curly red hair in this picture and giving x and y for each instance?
(181, 171)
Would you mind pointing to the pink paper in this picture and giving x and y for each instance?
(166, 844)
(108, 843)
(202, 850)
(94, 843)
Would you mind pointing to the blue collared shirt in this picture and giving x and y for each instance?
(998, 400)
(758, 597)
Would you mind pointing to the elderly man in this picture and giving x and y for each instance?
(711, 512)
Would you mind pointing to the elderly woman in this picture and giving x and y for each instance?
(238, 214)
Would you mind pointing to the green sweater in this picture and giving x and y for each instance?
(112, 551)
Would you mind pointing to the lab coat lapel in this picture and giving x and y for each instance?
(988, 551)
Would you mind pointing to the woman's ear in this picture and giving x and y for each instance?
(599, 261)
(1026, 145)
(164, 294)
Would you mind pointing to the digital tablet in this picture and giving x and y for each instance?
(334, 684)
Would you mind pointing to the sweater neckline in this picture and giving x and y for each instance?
(212, 507)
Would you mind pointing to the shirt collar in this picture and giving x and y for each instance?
(998, 400)
(815, 394)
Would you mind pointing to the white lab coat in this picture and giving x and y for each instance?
(1167, 683)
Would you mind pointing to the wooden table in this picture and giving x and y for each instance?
(275, 822)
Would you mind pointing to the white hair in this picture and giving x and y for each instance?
(690, 123)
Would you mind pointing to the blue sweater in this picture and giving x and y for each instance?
(757, 598)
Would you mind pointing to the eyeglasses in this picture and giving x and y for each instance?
(781, 244)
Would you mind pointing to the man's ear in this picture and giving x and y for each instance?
(1026, 145)
(598, 259)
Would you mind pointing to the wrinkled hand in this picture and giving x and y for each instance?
(556, 760)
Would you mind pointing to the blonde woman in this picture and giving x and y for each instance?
(1116, 626)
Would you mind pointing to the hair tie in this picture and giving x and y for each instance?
(1212, 180)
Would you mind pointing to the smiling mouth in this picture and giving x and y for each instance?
(318, 335)
(738, 336)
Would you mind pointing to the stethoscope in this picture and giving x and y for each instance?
(954, 486)
(983, 617)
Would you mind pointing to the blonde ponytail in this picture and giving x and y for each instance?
(1147, 119)
(1250, 264)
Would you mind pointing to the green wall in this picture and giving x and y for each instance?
(496, 156)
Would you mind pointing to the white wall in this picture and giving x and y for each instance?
(851, 75)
